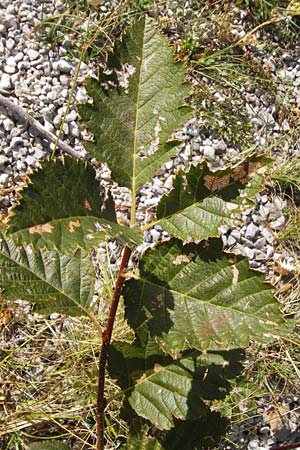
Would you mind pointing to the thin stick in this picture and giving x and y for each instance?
(287, 446)
(106, 337)
(20, 114)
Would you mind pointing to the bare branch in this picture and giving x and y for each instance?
(20, 114)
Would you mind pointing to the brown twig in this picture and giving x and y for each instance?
(20, 114)
(287, 446)
(106, 337)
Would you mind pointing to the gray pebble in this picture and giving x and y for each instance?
(72, 115)
(278, 224)
(4, 179)
(251, 231)
(3, 160)
(33, 54)
(30, 160)
(5, 82)
(209, 152)
(8, 124)
(63, 66)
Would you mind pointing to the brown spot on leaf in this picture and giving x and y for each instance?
(253, 167)
(41, 228)
(216, 183)
(160, 299)
(72, 225)
(239, 174)
(87, 205)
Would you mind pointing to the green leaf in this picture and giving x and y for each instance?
(162, 389)
(132, 123)
(142, 440)
(53, 281)
(48, 445)
(202, 200)
(196, 296)
(63, 208)
(201, 434)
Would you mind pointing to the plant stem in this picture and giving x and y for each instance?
(106, 337)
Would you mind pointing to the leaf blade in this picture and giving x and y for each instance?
(195, 296)
(63, 208)
(203, 200)
(132, 123)
(162, 390)
(54, 282)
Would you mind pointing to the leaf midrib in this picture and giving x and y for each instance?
(186, 298)
(182, 210)
(134, 162)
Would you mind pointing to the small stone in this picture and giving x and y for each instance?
(169, 165)
(260, 243)
(5, 82)
(10, 69)
(33, 132)
(65, 128)
(251, 231)
(209, 152)
(38, 153)
(249, 252)
(8, 124)
(169, 182)
(155, 235)
(231, 241)
(278, 224)
(3, 160)
(16, 141)
(32, 54)
(63, 66)
(71, 116)
(30, 160)
(253, 445)
(4, 179)
(285, 125)
(19, 57)
(57, 121)
(10, 61)
(20, 165)
(74, 131)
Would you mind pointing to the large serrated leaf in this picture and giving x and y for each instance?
(196, 296)
(132, 123)
(162, 389)
(201, 434)
(202, 200)
(63, 208)
(54, 282)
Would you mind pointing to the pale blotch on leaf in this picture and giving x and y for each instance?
(235, 275)
(41, 228)
(72, 225)
(87, 205)
(180, 259)
(158, 368)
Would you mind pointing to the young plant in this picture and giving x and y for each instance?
(191, 306)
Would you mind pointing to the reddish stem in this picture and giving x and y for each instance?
(286, 446)
(106, 337)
